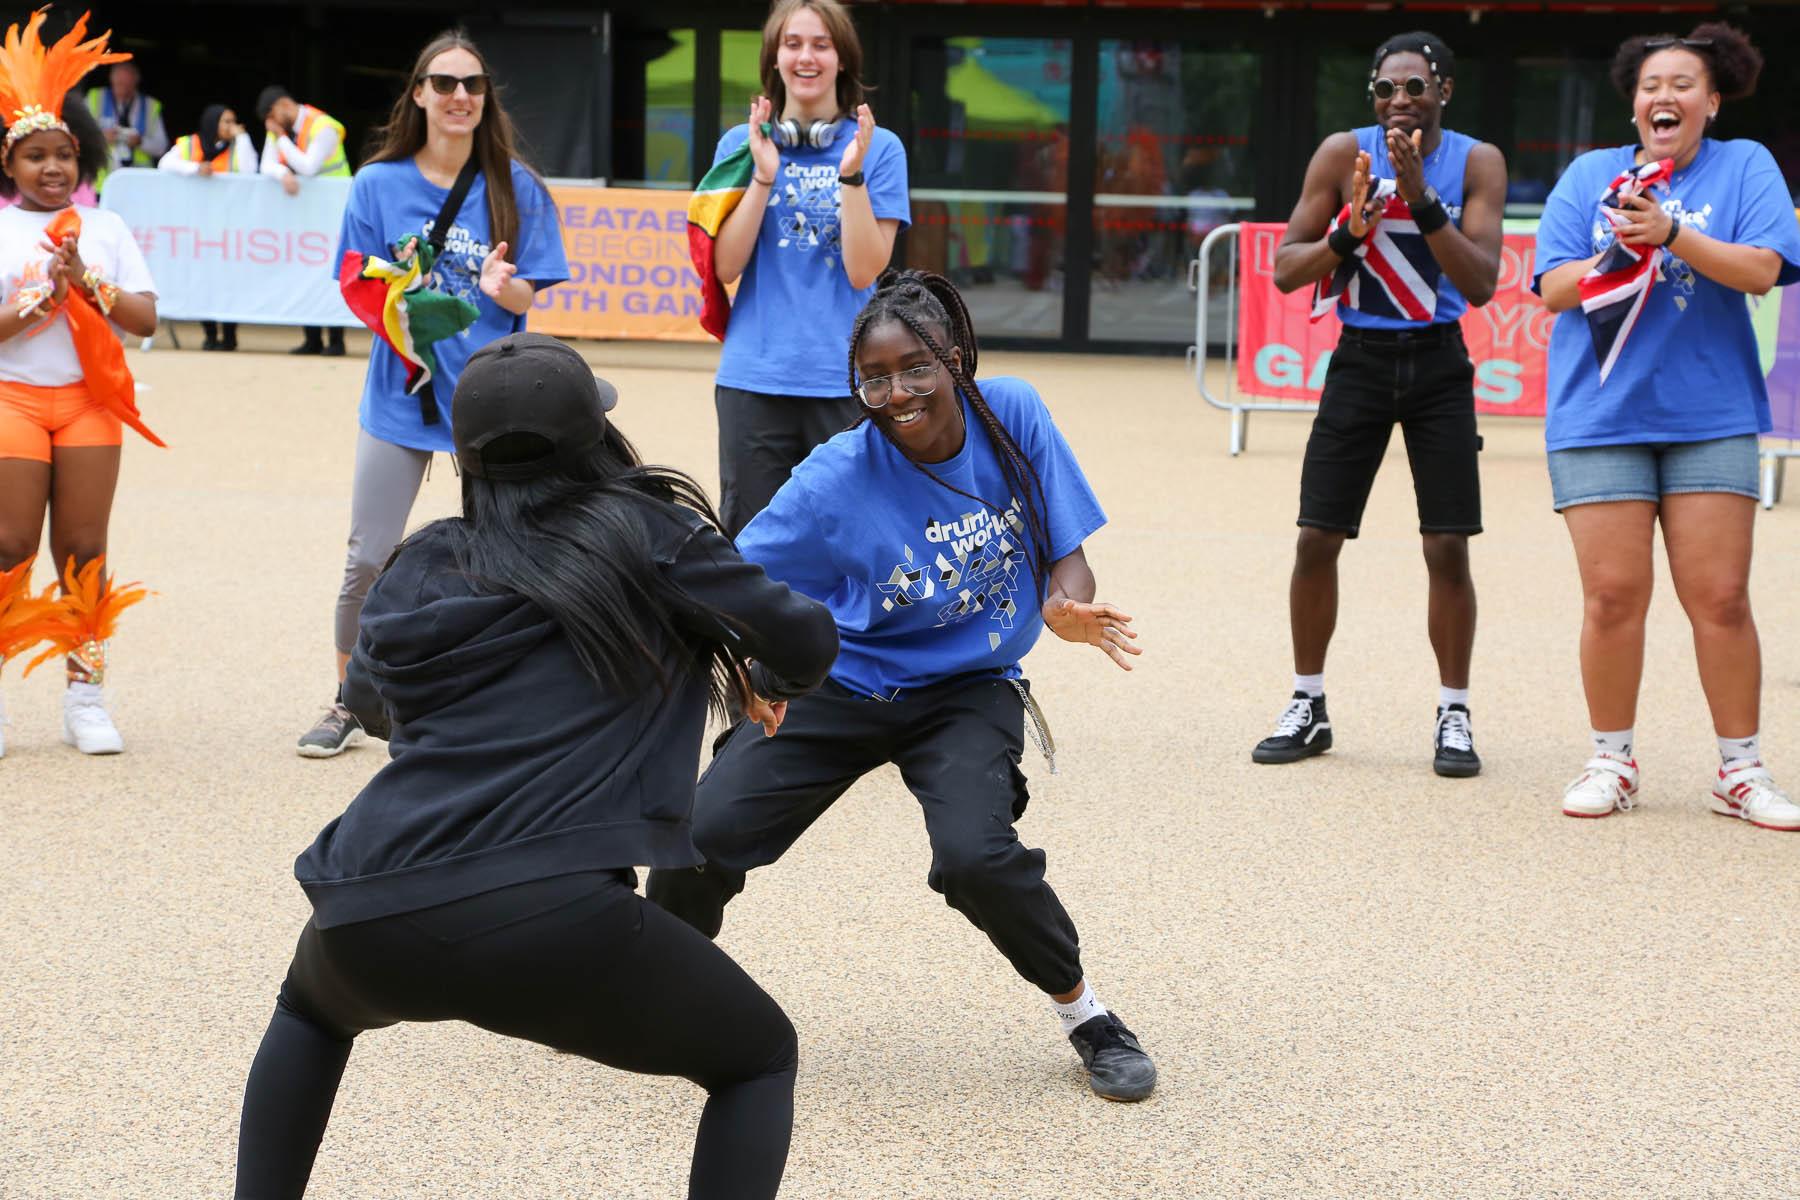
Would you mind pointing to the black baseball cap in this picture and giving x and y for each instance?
(526, 405)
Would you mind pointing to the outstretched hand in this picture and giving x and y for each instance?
(496, 272)
(1409, 164)
(765, 155)
(858, 149)
(1361, 220)
(1099, 625)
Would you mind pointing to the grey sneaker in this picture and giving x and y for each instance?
(335, 733)
(1118, 1068)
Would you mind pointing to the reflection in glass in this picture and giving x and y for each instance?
(740, 78)
(990, 166)
(1173, 164)
(1556, 108)
(653, 99)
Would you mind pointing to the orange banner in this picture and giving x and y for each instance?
(629, 274)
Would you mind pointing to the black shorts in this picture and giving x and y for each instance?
(1423, 380)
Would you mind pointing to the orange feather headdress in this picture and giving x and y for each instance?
(34, 79)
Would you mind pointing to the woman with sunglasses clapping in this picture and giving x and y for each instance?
(502, 244)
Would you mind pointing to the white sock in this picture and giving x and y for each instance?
(1738, 751)
(1449, 695)
(1617, 743)
(83, 691)
(1080, 1010)
(1312, 685)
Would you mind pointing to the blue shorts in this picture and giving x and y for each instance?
(1652, 470)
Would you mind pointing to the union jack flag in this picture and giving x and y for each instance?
(1393, 272)
(1614, 291)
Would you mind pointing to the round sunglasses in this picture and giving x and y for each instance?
(1384, 89)
(445, 85)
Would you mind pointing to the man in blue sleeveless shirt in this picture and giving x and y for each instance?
(1417, 242)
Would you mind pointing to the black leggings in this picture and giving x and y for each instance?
(579, 963)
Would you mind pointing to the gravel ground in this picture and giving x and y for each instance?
(1357, 979)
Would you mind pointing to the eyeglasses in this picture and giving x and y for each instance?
(1665, 43)
(1384, 89)
(918, 381)
(445, 85)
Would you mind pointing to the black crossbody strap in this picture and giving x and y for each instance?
(440, 233)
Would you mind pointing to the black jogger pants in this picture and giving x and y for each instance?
(957, 745)
(579, 963)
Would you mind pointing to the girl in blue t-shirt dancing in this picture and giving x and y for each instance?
(944, 531)
(1657, 397)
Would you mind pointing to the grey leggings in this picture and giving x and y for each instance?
(381, 499)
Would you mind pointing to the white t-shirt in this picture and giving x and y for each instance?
(44, 355)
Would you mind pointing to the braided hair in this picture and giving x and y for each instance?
(930, 306)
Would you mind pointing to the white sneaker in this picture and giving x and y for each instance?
(1606, 785)
(1750, 792)
(86, 724)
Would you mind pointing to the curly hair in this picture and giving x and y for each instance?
(93, 156)
(930, 306)
(1733, 64)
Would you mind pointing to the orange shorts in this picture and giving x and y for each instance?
(34, 419)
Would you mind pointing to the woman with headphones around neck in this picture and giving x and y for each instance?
(814, 231)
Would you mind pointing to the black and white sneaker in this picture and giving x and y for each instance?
(1455, 741)
(1118, 1068)
(1303, 731)
(335, 733)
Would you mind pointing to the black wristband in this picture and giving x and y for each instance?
(1674, 228)
(853, 179)
(1432, 217)
(1343, 243)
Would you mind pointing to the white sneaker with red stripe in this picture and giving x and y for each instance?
(1750, 792)
(1607, 784)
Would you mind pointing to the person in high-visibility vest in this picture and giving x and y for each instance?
(302, 141)
(220, 146)
(131, 121)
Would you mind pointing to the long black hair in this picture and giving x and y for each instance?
(930, 306)
(578, 543)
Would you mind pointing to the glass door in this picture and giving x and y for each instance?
(990, 175)
(1173, 163)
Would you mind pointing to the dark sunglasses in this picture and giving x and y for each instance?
(1385, 88)
(445, 85)
(1690, 43)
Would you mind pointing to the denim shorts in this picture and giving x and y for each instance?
(1652, 470)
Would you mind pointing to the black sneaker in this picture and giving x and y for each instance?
(1118, 1068)
(1303, 731)
(1456, 758)
(308, 348)
(333, 350)
(335, 733)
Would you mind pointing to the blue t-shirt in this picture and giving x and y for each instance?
(924, 584)
(389, 200)
(1445, 169)
(790, 321)
(1690, 370)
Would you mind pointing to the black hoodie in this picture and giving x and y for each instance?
(509, 762)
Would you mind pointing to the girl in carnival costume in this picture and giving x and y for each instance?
(73, 277)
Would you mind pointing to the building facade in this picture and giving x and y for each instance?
(1066, 158)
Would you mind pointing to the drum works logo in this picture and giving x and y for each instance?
(806, 209)
(457, 271)
(970, 566)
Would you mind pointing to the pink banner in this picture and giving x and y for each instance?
(1282, 354)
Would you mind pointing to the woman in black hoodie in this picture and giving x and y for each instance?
(542, 668)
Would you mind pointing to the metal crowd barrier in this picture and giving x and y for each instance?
(1200, 282)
